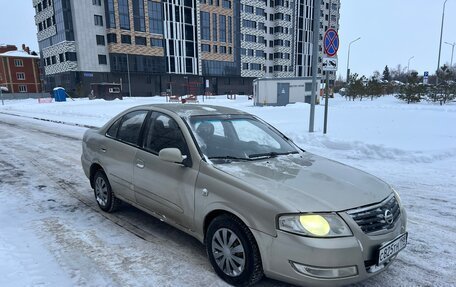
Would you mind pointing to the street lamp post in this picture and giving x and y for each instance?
(315, 40)
(348, 58)
(408, 63)
(452, 52)
(440, 45)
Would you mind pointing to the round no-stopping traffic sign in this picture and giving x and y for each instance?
(331, 42)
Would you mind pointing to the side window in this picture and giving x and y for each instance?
(130, 127)
(163, 132)
(112, 131)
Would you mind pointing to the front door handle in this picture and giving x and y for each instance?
(140, 163)
(103, 149)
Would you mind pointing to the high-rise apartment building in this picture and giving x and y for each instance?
(181, 46)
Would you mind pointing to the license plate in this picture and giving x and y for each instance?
(392, 248)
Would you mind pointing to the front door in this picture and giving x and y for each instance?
(163, 187)
(283, 94)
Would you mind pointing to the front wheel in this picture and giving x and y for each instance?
(233, 252)
(104, 196)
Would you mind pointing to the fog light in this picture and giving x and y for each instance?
(327, 273)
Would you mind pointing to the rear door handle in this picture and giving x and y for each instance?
(103, 149)
(140, 163)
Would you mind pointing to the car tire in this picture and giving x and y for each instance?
(104, 196)
(233, 251)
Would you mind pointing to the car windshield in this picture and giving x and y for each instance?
(238, 137)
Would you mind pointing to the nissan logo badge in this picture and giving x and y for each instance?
(388, 216)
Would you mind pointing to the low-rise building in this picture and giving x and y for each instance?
(19, 70)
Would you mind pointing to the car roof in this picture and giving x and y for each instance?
(189, 110)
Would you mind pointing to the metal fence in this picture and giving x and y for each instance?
(21, 96)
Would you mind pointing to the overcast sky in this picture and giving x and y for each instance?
(391, 32)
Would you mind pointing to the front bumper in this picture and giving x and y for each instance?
(283, 256)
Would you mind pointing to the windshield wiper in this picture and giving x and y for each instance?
(271, 154)
(228, 157)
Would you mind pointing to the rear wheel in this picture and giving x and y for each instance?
(233, 252)
(104, 196)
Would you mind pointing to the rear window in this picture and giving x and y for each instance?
(130, 127)
(112, 131)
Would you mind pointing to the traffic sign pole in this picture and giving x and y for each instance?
(326, 103)
(331, 45)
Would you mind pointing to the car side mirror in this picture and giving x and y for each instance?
(171, 155)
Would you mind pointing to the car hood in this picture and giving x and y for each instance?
(309, 183)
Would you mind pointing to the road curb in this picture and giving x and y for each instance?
(52, 121)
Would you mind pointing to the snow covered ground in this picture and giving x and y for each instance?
(52, 233)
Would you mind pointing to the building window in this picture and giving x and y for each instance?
(222, 34)
(61, 58)
(125, 39)
(96, 2)
(71, 56)
(53, 60)
(102, 60)
(248, 9)
(101, 40)
(206, 48)
(20, 76)
(214, 27)
(156, 42)
(156, 17)
(260, 11)
(249, 24)
(141, 41)
(226, 4)
(214, 49)
(250, 38)
(98, 20)
(124, 15)
(18, 63)
(205, 26)
(138, 15)
(112, 38)
(230, 30)
(222, 50)
(245, 66)
(22, 89)
(110, 14)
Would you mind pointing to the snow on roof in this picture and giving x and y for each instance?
(19, 53)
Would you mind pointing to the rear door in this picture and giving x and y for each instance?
(163, 187)
(119, 152)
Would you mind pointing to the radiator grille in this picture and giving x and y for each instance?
(377, 217)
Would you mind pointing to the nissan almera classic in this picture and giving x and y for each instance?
(261, 205)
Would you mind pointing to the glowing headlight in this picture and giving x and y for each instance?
(315, 225)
